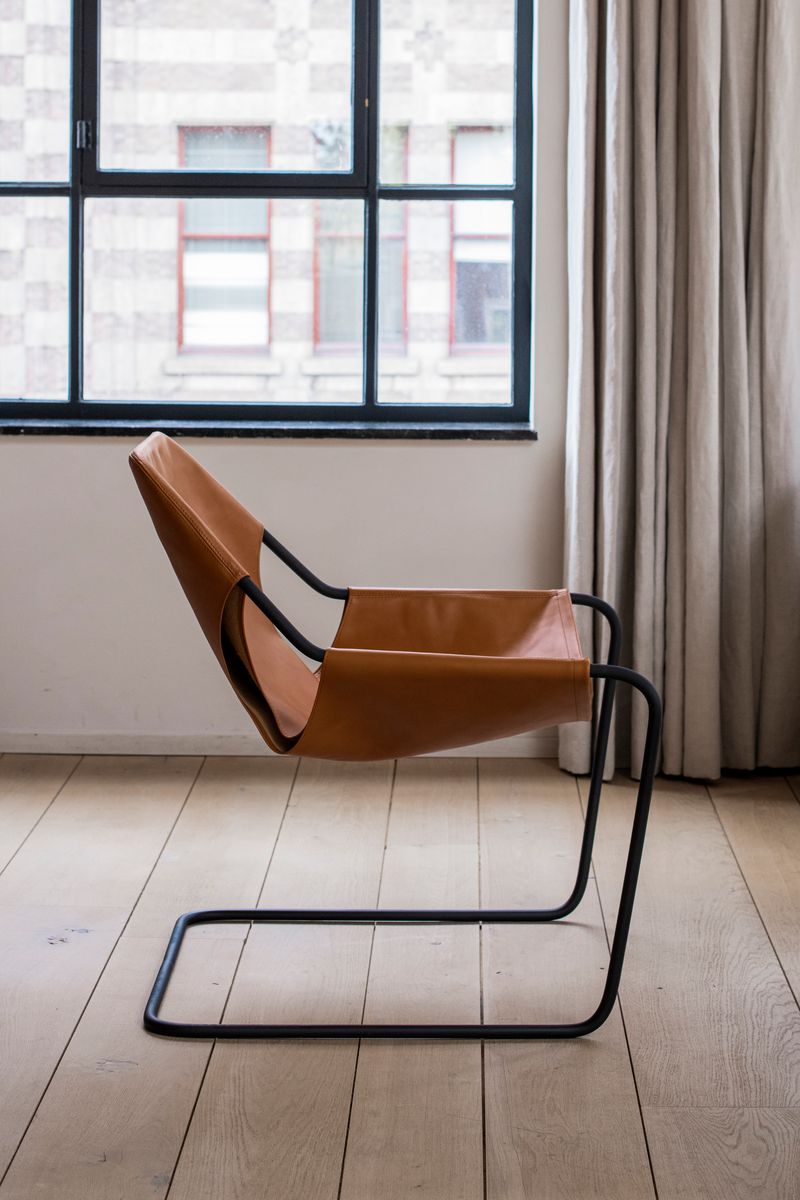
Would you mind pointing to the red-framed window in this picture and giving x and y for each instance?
(338, 270)
(480, 245)
(338, 260)
(224, 267)
(393, 251)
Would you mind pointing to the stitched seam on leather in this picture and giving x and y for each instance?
(185, 513)
(520, 592)
(574, 626)
(574, 661)
(342, 620)
(563, 623)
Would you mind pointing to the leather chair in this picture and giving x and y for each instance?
(408, 672)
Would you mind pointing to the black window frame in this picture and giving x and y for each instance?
(88, 180)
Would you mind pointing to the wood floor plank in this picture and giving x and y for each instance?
(726, 1153)
(103, 834)
(416, 1126)
(220, 849)
(710, 1018)
(562, 1119)
(51, 958)
(79, 873)
(114, 1116)
(28, 783)
(271, 1120)
(761, 818)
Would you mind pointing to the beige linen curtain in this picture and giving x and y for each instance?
(683, 425)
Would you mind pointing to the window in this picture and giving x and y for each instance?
(223, 284)
(337, 278)
(480, 272)
(338, 261)
(338, 265)
(266, 217)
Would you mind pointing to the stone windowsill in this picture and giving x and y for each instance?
(474, 365)
(344, 365)
(222, 364)
(324, 364)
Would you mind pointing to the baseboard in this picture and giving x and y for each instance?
(541, 744)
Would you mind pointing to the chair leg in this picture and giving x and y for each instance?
(155, 1024)
(598, 754)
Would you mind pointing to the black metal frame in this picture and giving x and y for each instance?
(361, 182)
(612, 674)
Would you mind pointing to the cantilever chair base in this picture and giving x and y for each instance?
(612, 674)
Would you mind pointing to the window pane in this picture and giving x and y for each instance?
(392, 294)
(225, 293)
(482, 217)
(34, 240)
(34, 91)
(273, 64)
(482, 303)
(225, 149)
(341, 265)
(457, 349)
(482, 275)
(482, 154)
(224, 316)
(394, 154)
(445, 66)
(340, 219)
(220, 215)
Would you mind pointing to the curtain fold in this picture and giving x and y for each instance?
(683, 408)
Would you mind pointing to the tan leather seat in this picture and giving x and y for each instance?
(409, 671)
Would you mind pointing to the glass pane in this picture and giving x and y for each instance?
(482, 217)
(34, 90)
(330, 145)
(392, 293)
(280, 65)
(445, 67)
(394, 154)
(220, 215)
(483, 154)
(482, 302)
(224, 149)
(341, 265)
(340, 219)
(225, 293)
(34, 251)
(224, 315)
(445, 302)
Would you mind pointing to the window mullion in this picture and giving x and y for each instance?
(371, 242)
(522, 238)
(85, 87)
(84, 51)
(362, 90)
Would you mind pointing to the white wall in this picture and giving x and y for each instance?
(99, 649)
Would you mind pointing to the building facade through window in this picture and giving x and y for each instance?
(261, 299)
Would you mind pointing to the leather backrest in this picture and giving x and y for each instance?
(212, 542)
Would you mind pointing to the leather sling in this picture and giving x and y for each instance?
(410, 671)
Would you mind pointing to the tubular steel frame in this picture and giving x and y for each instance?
(612, 673)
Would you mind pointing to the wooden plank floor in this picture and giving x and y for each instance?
(691, 1091)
